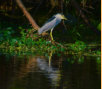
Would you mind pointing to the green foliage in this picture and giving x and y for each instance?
(21, 38)
(78, 46)
(27, 42)
(99, 27)
(80, 59)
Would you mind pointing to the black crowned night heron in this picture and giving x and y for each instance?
(51, 23)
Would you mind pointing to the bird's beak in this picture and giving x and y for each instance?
(64, 17)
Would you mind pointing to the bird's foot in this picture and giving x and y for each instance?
(53, 42)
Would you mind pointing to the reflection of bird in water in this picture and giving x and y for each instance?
(51, 23)
(53, 74)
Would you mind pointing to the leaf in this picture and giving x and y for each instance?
(9, 28)
(99, 27)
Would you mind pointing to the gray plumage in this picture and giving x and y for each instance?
(51, 23)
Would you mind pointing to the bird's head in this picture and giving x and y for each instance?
(60, 16)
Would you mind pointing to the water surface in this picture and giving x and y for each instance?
(49, 72)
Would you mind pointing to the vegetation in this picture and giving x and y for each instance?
(32, 61)
(72, 37)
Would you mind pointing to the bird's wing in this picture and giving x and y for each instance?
(49, 25)
(49, 20)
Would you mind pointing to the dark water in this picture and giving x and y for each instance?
(52, 72)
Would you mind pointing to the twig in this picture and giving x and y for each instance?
(77, 7)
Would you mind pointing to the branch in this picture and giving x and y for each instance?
(77, 7)
(27, 14)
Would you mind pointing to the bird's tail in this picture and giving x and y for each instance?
(39, 31)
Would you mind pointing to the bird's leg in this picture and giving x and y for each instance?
(51, 35)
